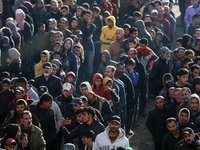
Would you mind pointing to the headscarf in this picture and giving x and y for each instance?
(20, 18)
(12, 27)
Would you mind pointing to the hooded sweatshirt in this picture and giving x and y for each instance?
(193, 115)
(38, 66)
(103, 141)
(69, 59)
(108, 35)
(101, 91)
(88, 86)
(4, 50)
(39, 15)
(102, 66)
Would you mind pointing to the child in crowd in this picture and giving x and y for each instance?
(24, 139)
(158, 42)
(10, 144)
(179, 42)
(77, 118)
(132, 43)
(97, 86)
(88, 138)
(70, 78)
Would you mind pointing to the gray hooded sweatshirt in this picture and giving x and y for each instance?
(193, 114)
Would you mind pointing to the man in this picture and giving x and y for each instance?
(46, 117)
(35, 135)
(54, 13)
(28, 90)
(105, 61)
(173, 136)
(160, 67)
(196, 48)
(154, 17)
(194, 72)
(64, 101)
(171, 20)
(108, 33)
(163, 21)
(63, 23)
(58, 37)
(65, 12)
(116, 45)
(85, 87)
(156, 121)
(193, 25)
(89, 123)
(112, 137)
(193, 106)
(52, 24)
(52, 82)
(130, 93)
(184, 119)
(118, 85)
(188, 141)
(101, 104)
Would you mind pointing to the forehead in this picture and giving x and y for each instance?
(194, 100)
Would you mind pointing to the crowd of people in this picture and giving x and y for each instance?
(78, 74)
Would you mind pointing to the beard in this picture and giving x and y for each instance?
(46, 74)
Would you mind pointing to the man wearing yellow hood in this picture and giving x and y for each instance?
(108, 33)
(44, 57)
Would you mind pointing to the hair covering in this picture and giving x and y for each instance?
(13, 29)
(87, 84)
(14, 54)
(20, 18)
(69, 73)
(106, 80)
(29, 6)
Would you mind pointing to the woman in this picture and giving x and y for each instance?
(7, 32)
(186, 41)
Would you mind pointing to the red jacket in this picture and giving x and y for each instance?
(101, 91)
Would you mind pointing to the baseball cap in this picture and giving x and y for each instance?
(165, 49)
(67, 86)
(154, 11)
(76, 101)
(188, 130)
(10, 141)
(115, 118)
(42, 89)
(47, 65)
(19, 89)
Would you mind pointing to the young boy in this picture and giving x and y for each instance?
(77, 118)
(130, 65)
(132, 43)
(10, 144)
(178, 42)
(158, 43)
(70, 78)
(24, 139)
(88, 139)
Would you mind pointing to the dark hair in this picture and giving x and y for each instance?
(40, 24)
(152, 3)
(132, 41)
(137, 14)
(130, 62)
(186, 60)
(23, 135)
(86, 5)
(84, 99)
(159, 33)
(179, 40)
(182, 71)
(120, 63)
(158, 2)
(65, 7)
(5, 74)
(195, 16)
(89, 134)
(89, 110)
(96, 9)
(144, 41)
(148, 24)
(188, 52)
(196, 59)
(195, 66)
(22, 80)
(6, 81)
(78, 111)
(74, 37)
(88, 12)
(197, 41)
(133, 29)
(186, 88)
(25, 112)
(76, 46)
(80, 7)
(184, 110)
(171, 119)
(45, 98)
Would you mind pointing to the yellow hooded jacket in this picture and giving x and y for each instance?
(38, 67)
(108, 35)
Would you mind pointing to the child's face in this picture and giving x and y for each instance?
(70, 79)
(131, 45)
(95, 14)
(54, 70)
(42, 28)
(85, 140)
(78, 12)
(5, 44)
(109, 84)
(57, 47)
(39, 5)
(10, 147)
(25, 141)
(74, 24)
(130, 67)
(79, 118)
(158, 37)
(5, 87)
(56, 56)
(98, 82)
(43, 58)
(142, 46)
(178, 44)
(152, 34)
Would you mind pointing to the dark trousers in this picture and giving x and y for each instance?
(129, 115)
(182, 7)
(157, 145)
(97, 56)
(123, 117)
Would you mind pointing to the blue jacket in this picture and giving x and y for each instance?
(134, 76)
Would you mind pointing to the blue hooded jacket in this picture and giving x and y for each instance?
(4, 50)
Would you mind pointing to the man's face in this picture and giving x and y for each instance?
(131, 45)
(95, 14)
(27, 120)
(172, 127)
(42, 28)
(154, 16)
(47, 105)
(184, 118)
(130, 67)
(77, 51)
(147, 19)
(54, 6)
(20, 109)
(85, 140)
(78, 12)
(171, 94)
(166, 11)
(197, 87)
(177, 96)
(88, 17)
(109, 73)
(47, 71)
(114, 126)
(75, 107)
(5, 86)
(189, 138)
(178, 44)
(159, 103)
(66, 93)
(134, 35)
(86, 117)
(166, 55)
(110, 23)
(160, 13)
(58, 38)
(62, 24)
(19, 95)
(194, 104)
(183, 79)
(52, 25)
(79, 118)
(196, 34)
(126, 31)
(84, 90)
(181, 54)
(98, 82)
(43, 57)
(194, 2)
(57, 56)
(195, 73)
(64, 12)
(185, 95)
(131, 54)
(57, 46)
(68, 44)
(120, 69)
(103, 58)
(119, 34)
(156, 5)
(142, 46)
(90, 98)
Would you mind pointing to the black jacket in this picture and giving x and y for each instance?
(47, 121)
(156, 123)
(172, 109)
(53, 84)
(95, 126)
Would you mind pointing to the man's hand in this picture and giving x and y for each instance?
(65, 122)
